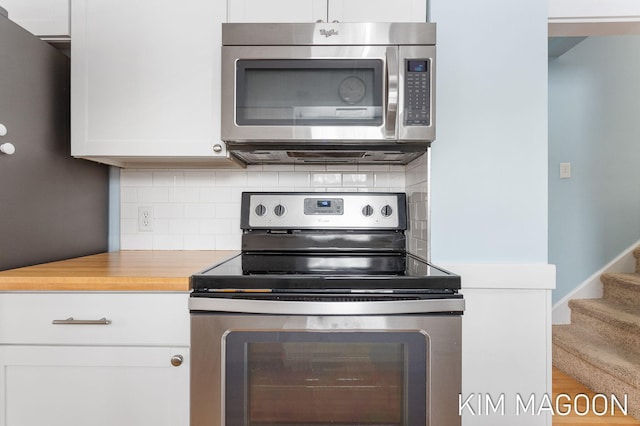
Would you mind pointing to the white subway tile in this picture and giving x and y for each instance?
(200, 242)
(262, 179)
(358, 180)
(310, 167)
(168, 210)
(168, 242)
(128, 211)
(373, 168)
(183, 226)
(216, 226)
(227, 210)
(326, 179)
(199, 178)
(396, 179)
(216, 195)
(136, 241)
(184, 195)
(135, 178)
(199, 210)
(128, 194)
(153, 195)
(342, 168)
(278, 167)
(128, 226)
(231, 179)
(294, 179)
(168, 178)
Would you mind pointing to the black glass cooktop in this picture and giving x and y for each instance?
(325, 272)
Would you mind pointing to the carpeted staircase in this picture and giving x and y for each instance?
(601, 346)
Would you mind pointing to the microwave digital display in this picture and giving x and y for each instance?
(418, 66)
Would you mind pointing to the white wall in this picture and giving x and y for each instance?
(594, 105)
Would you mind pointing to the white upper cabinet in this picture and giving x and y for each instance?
(593, 17)
(48, 19)
(327, 10)
(146, 83)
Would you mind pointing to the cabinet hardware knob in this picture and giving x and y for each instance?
(335, 21)
(217, 148)
(177, 360)
(319, 21)
(7, 148)
(3, 129)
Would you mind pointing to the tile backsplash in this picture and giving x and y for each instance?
(200, 209)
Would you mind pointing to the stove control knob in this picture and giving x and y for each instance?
(261, 210)
(279, 210)
(367, 210)
(386, 211)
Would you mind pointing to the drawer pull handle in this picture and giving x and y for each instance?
(71, 321)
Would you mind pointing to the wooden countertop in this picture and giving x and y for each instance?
(127, 270)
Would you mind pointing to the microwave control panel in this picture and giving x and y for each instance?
(417, 99)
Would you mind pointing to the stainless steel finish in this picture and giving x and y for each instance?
(392, 92)
(382, 154)
(3, 12)
(177, 360)
(72, 321)
(388, 141)
(346, 34)
(290, 134)
(295, 211)
(208, 332)
(217, 148)
(270, 307)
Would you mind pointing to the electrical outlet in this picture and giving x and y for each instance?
(565, 170)
(145, 219)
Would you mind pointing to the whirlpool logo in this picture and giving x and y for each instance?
(329, 33)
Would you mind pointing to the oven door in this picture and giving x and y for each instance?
(292, 94)
(264, 369)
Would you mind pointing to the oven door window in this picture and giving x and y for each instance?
(306, 92)
(318, 378)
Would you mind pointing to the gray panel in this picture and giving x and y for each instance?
(52, 206)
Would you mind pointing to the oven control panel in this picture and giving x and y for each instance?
(294, 210)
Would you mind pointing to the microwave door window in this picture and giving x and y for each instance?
(309, 92)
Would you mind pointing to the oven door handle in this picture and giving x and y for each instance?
(392, 92)
(272, 307)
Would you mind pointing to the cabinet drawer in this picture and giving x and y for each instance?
(129, 319)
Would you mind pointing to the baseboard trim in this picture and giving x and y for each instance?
(591, 288)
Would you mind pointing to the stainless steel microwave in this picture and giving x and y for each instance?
(347, 92)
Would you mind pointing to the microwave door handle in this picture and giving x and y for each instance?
(392, 92)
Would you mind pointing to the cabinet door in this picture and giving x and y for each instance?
(277, 10)
(45, 18)
(98, 386)
(377, 10)
(146, 79)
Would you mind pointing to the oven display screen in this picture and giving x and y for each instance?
(323, 206)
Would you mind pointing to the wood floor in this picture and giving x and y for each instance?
(563, 384)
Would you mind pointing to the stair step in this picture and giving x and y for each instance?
(617, 323)
(624, 288)
(596, 363)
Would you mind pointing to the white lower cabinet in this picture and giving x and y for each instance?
(110, 359)
(98, 386)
